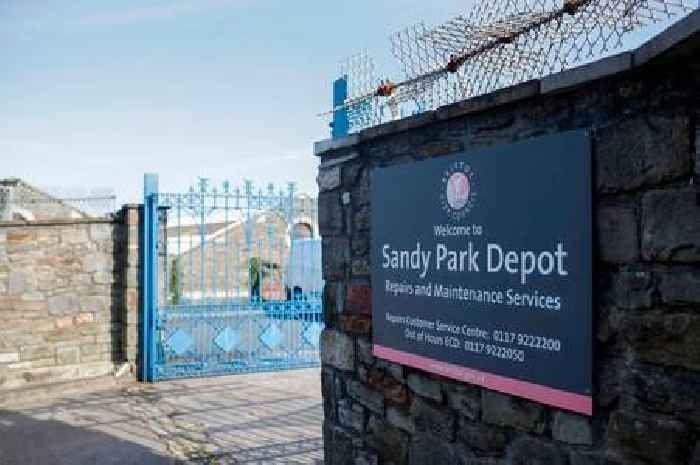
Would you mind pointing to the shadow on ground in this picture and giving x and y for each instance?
(246, 419)
(28, 441)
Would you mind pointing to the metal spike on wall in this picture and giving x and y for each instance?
(497, 44)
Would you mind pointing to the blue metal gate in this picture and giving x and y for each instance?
(231, 281)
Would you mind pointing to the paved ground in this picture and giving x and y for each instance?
(271, 418)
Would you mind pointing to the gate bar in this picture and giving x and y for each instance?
(149, 276)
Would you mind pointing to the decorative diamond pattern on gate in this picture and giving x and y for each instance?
(229, 254)
(312, 334)
(179, 342)
(271, 336)
(228, 339)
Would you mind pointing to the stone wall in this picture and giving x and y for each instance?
(128, 274)
(67, 300)
(646, 280)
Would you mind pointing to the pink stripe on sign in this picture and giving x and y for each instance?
(546, 395)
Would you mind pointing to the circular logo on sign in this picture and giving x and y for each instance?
(458, 190)
(458, 194)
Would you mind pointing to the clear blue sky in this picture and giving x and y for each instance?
(95, 93)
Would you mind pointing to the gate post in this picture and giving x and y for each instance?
(149, 277)
(340, 125)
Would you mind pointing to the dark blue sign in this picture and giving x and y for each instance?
(481, 268)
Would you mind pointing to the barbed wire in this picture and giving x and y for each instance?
(497, 44)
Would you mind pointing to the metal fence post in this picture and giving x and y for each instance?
(149, 276)
(340, 125)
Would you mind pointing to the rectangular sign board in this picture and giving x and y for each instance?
(481, 268)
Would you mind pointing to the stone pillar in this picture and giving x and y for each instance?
(131, 217)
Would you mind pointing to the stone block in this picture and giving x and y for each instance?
(360, 267)
(65, 304)
(67, 355)
(433, 418)
(364, 351)
(333, 301)
(330, 214)
(649, 439)
(356, 324)
(94, 303)
(697, 150)
(20, 241)
(336, 257)
(371, 399)
(77, 234)
(394, 390)
(484, 440)
(425, 386)
(361, 189)
(64, 322)
(84, 318)
(617, 234)
(491, 100)
(31, 303)
(361, 219)
(658, 389)
(338, 448)
(366, 458)
(504, 410)
(337, 350)
(391, 443)
(585, 458)
(588, 72)
(401, 125)
(132, 214)
(9, 357)
(351, 415)
(437, 148)
(328, 145)
(666, 339)
(671, 225)
(35, 352)
(400, 419)
(630, 289)
(358, 299)
(98, 262)
(680, 287)
(19, 282)
(695, 458)
(428, 449)
(103, 277)
(350, 173)
(642, 151)
(572, 429)
(527, 450)
(101, 232)
(328, 179)
(393, 369)
(360, 246)
(465, 400)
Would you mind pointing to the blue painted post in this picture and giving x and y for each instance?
(340, 125)
(149, 276)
